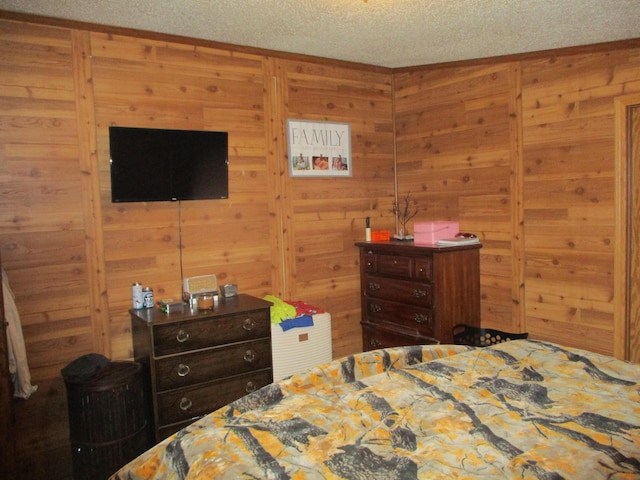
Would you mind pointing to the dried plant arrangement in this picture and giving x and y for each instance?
(404, 211)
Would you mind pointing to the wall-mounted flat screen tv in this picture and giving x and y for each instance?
(149, 164)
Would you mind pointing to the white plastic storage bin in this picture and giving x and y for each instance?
(301, 348)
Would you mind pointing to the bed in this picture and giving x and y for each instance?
(521, 409)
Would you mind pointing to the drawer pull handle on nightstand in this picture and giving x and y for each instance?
(374, 308)
(419, 294)
(185, 404)
(375, 343)
(374, 286)
(251, 387)
(183, 370)
(421, 318)
(182, 336)
(249, 356)
(249, 324)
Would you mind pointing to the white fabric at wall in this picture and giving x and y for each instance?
(18, 366)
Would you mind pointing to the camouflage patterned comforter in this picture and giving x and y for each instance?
(522, 409)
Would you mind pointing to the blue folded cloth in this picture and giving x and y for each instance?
(301, 321)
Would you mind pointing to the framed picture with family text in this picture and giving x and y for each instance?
(319, 149)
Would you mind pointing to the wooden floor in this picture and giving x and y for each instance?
(46, 454)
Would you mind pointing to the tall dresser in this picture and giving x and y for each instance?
(196, 361)
(413, 294)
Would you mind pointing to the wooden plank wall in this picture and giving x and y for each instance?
(522, 153)
(569, 194)
(457, 154)
(71, 255)
(324, 217)
(43, 228)
(148, 83)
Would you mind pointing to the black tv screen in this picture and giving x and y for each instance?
(149, 164)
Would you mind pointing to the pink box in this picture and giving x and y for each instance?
(428, 233)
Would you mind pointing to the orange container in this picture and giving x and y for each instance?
(380, 235)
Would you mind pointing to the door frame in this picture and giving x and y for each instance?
(622, 252)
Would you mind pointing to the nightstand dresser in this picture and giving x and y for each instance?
(413, 294)
(196, 361)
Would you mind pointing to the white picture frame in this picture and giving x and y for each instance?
(319, 149)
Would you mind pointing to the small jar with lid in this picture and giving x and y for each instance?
(205, 301)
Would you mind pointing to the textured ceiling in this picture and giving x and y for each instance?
(389, 33)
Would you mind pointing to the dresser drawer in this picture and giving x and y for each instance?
(394, 265)
(370, 262)
(200, 366)
(179, 405)
(409, 316)
(376, 336)
(399, 266)
(195, 334)
(415, 293)
(422, 269)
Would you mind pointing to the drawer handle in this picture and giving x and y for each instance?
(182, 336)
(374, 286)
(185, 404)
(374, 308)
(251, 387)
(420, 317)
(369, 264)
(249, 356)
(419, 293)
(375, 343)
(249, 324)
(183, 370)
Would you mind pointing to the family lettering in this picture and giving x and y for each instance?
(317, 136)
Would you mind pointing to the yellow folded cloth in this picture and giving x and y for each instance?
(280, 310)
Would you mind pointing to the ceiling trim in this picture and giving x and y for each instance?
(110, 29)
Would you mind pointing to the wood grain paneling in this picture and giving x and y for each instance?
(145, 83)
(324, 217)
(522, 153)
(43, 228)
(569, 195)
(457, 156)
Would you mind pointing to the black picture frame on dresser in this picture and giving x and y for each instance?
(196, 361)
(415, 294)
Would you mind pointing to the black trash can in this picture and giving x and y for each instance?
(108, 421)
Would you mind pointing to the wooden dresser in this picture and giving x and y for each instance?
(415, 294)
(198, 361)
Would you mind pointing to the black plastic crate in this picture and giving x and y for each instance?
(482, 337)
